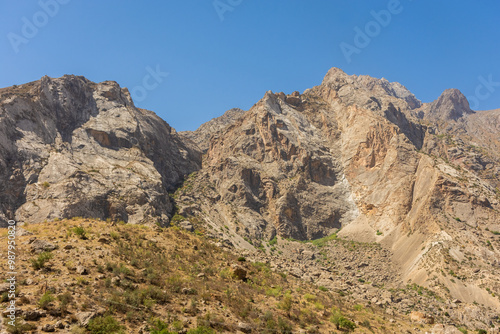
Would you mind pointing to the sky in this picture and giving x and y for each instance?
(191, 60)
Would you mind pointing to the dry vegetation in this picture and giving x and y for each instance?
(138, 279)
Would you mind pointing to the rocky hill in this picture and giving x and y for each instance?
(354, 185)
(70, 147)
(86, 276)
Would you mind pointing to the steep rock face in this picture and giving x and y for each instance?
(351, 154)
(71, 147)
(201, 136)
(276, 169)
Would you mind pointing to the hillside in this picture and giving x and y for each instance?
(84, 273)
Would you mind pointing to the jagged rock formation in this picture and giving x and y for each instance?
(451, 105)
(71, 147)
(201, 136)
(364, 155)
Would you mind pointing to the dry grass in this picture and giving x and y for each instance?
(167, 278)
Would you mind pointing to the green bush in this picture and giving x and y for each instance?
(80, 232)
(46, 299)
(342, 322)
(159, 327)
(40, 260)
(273, 241)
(201, 330)
(104, 325)
(20, 327)
(64, 300)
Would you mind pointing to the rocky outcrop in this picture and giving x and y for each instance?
(71, 147)
(201, 136)
(451, 105)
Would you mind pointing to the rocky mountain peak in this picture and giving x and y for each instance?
(352, 86)
(451, 105)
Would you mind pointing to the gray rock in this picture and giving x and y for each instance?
(84, 318)
(48, 328)
(32, 315)
(38, 246)
(244, 327)
(186, 225)
(201, 136)
(4, 287)
(81, 270)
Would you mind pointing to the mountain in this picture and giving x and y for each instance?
(354, 185)
(70, 147)
(364, 159)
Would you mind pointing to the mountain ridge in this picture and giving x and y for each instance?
(355, 157)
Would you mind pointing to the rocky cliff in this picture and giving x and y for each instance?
(366, 157)
(201, 136)
(70, 147)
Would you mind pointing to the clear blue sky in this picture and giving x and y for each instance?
(260, 45)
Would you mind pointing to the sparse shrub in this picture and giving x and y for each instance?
(20, 327)
(80, 232)
(286, 303)
(174, 283)
(275, 292)
(366, 323)
(64, 300)
(40, 260)
(358, 307)
(322, 288)
(45, 300)
(104, 325)
(159, 327)
(46, 185)
(242, 259)
(310, 298)
(342, 322)
(201, 330)
(323, 241)
(284, 326)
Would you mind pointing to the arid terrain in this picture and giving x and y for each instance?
(351, 206)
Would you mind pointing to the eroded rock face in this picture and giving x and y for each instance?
(363, 155)
(71, 147)
(201, 136)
